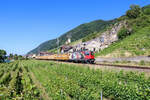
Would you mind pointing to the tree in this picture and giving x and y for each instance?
(11, 56)
(20, 57)
(2, 55)
(16, 57)
(134, 11)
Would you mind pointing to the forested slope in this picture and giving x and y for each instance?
(77, 33)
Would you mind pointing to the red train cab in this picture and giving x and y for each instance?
(88, 56)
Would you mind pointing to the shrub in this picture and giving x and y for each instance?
(116, 61)
(142, 21)
(142, 62)
(123, 33)
(146, 11)
(83, 40)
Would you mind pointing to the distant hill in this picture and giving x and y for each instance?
(77, 33)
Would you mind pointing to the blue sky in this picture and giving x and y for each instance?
(24, 24)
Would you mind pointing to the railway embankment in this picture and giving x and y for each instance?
(143, 61)
(131, 59)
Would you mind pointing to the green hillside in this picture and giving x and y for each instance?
(77, 33)
(134, 45)
(136, 42)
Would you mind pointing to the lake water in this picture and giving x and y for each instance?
(7, 61)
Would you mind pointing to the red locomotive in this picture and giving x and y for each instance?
(82, 56)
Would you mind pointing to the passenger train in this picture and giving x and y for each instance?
(77, 57)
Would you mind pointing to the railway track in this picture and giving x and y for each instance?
(143, 68)
(115, 66)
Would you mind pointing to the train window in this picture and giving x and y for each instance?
(87, 53)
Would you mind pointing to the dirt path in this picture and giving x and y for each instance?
(39, 85)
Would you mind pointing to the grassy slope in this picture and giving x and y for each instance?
(135, 45)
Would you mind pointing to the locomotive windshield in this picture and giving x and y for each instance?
(87, 53)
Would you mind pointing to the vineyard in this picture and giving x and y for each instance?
(43, 80)
(16, 83)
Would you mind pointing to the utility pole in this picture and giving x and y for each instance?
(57, 45)
(69, 38)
